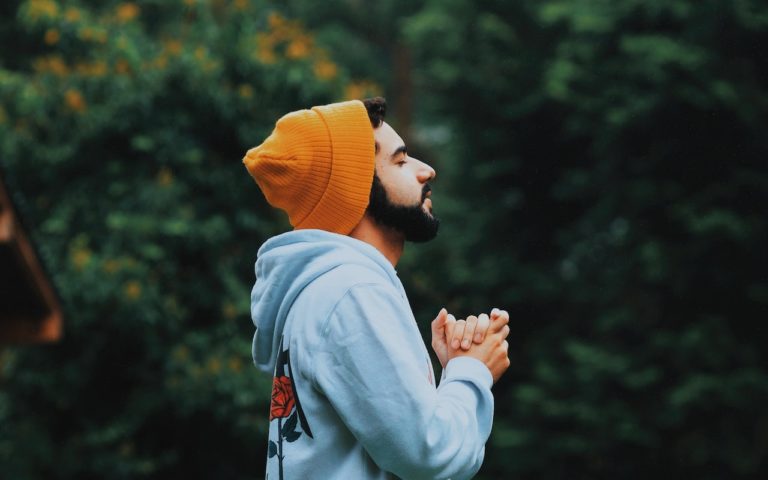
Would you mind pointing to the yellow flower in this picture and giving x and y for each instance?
(57, 65)
(86, 33)
(235, 364)
(325, 69)
(72, 14)
(96, 69)
(132, 290)
(210, 65)
(43, 8)
(298, 48)
(214, 365)
(172, 46)
(200, 53)
(165, 177)
(52, 36)
(276, 20)
(81, 257)
(265, 55)
(265, 52)
(127, 11)
(241, 4)
(361, 89)
(122, 67)
(181, 353)
(75, 101)
(229, 311)
(52, 63)
(160, 62)
(111, 266)
(245, 90)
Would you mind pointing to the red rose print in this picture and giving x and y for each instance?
(282, 398)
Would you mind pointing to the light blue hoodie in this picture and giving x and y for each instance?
(354, 394)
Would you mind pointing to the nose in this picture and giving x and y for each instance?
(425, 172)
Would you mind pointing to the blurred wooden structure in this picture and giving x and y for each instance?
(29, 308)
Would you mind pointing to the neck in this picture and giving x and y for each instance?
(386, 240)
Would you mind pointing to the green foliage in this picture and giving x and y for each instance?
(121, 127)
(611, 163)
(602, 175)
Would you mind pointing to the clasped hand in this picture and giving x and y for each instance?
(482, 337)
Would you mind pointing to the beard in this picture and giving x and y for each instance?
(415, 223)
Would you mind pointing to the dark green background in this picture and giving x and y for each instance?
(602, 174)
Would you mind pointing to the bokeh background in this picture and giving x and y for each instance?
(602, 174)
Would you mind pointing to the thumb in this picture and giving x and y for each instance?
(438, 324)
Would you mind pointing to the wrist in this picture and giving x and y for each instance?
(463, 367)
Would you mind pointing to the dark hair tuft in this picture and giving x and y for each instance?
(377, 109)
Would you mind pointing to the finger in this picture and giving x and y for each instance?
(504, 331)
(450, 325)
(469, 332)
(438, 324)
(458, 333)
(499, 318)
(505, 346)
(483, 322)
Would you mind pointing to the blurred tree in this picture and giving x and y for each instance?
(602, 175)
(365, 37)
(608, 163)
(122, 125)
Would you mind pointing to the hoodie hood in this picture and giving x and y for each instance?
(289, 262)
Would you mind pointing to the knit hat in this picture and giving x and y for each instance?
(317, 166)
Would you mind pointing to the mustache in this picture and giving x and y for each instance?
(425, 191)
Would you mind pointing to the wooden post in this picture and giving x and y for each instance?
(29, 308)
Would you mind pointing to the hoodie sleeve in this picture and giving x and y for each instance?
(372, 369)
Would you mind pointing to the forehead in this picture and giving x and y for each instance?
(388, 140)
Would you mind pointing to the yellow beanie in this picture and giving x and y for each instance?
(317, 166)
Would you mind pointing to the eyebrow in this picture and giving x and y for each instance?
(398, 151)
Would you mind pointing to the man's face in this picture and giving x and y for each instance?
(400, 192)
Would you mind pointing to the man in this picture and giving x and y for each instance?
(354, 394)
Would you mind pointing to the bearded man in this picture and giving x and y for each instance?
(354, 394)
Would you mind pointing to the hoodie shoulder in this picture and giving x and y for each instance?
(334, 284)
(300, 275)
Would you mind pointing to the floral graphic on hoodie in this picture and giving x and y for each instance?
(285, 406)
(283, 399)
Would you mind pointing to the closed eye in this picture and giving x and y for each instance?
(401, 152)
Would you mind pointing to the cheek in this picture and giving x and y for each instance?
(401, 184)
(408, 194)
